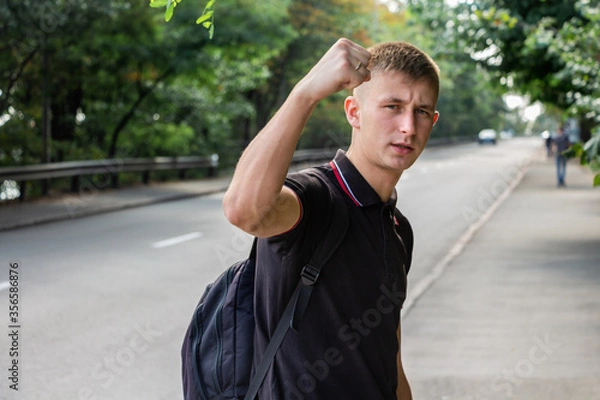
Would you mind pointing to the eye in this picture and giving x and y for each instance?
(423, 112)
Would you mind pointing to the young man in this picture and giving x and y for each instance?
(348, 344)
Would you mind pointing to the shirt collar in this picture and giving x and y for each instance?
(353, 183)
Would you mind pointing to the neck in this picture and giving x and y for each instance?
(382, 180)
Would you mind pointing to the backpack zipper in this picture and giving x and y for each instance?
(219, 317)
(196, 351)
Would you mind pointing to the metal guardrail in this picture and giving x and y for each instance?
(112, 167)
(313, 155)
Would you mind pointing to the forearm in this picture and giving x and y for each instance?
(260, 173)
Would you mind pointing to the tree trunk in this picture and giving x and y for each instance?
(46, 108)
(112, 150)
(46, 117)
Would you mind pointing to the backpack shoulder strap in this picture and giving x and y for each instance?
(333, 238)
(294, 311)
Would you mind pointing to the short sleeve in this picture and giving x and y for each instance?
(315, 200)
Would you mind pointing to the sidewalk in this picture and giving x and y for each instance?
(18, 215)
(517, 314)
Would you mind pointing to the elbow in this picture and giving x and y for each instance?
(238, 214)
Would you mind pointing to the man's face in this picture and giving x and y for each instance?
(392, 118)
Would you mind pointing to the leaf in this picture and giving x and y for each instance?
(169, 11)
(597, 180)
(206, 16)
(158, 3)
(592, 146)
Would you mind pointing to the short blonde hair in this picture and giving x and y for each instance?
(407, 59)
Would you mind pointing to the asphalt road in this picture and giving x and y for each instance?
(105, 300)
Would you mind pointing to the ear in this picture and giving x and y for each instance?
(436, 116)
(352, 111)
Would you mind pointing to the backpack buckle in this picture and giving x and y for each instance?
(309, 275)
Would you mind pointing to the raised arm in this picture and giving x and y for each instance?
(256, 201)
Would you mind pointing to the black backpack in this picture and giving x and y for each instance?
(217, 350)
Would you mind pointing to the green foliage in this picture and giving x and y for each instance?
(469, 100)
(588, 154)
(576, 44)
(206, 19)
(545, 48)
(318, 26)
(110, 80)
(18, 145)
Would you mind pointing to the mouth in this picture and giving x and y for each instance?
(403, 147)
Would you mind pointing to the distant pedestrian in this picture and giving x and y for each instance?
(561, 143)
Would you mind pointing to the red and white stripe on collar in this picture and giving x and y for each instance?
(343, 183)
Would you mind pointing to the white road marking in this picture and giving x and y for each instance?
(176, 240)
(4, 285)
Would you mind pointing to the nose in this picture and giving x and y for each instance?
(406, 122)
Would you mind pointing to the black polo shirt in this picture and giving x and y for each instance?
(346, 345)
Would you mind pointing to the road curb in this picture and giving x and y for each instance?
(420, 288)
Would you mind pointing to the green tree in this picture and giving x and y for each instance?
(206, 19)
(540, 47)
(576, 45)
(215, 96)
(318, 25)
(469, 101)
(76, 72)
(113, 70)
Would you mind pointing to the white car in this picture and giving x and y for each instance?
(487, 136)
